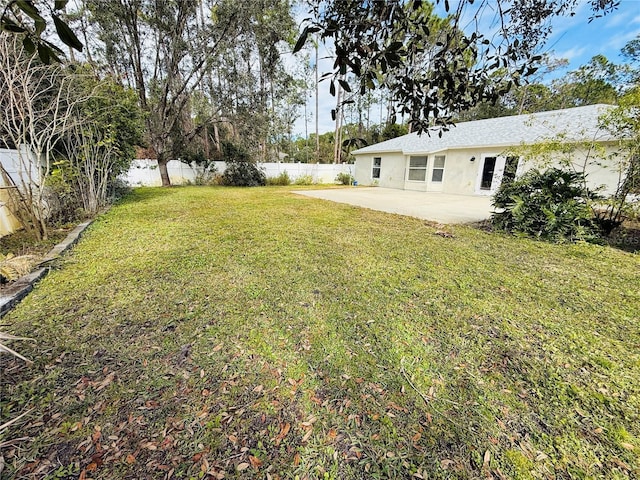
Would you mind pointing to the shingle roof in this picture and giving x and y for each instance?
(576, 124)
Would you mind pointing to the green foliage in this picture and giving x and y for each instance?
(114, 111)
(393, 130)
(282, 179)
(551, 205)
(623, 123)
(446, 76)
(63, 198)
(25, 18)
(242, 170)
(344, 178)
(304, 180)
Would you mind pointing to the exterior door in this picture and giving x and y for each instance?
(494, 170)
(486, 175)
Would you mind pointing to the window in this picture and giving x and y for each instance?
(438, 168)
(418, 169)
(375, 172)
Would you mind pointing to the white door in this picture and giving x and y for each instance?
(490, 172)
(436, 174)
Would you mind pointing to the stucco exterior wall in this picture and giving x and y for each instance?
(392, 170)
(462, 176)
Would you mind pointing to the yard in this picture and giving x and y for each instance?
(252, 333)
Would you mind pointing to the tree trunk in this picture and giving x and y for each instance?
(317, 89)
(337, 146)
(164, 173)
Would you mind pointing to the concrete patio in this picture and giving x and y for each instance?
(436, 207)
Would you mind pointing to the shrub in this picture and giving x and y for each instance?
(344, 178)
(205, 173)
(242, 170)
(552, 205)
(282, 179)
(304, 180)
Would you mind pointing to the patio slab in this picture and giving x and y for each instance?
(433, 206)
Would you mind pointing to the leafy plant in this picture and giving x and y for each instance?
(344, 178)
(282, 179)
(304, 180)
(206, 174)
(242, 170)
(552, 205)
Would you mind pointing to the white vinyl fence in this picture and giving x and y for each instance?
(146, 173)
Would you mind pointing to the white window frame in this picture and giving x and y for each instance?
(423, 169)
(436, 168)
(375, 167)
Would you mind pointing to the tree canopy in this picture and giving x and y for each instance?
(392, 45)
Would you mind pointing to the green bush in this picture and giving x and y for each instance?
(552, 205)
(242, 170)
(304, 180)
(282, 179)
(344, 178)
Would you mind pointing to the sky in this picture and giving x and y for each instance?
(573, 38)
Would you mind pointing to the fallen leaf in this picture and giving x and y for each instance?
(416, 437)
(627, 446)
(242, 466)
(83, 475)
(258, 389)
(332, 434)
(255, 461)
(296, 459)
(446, 463)
(92, 467)
(108, 379)
(284, 430)
(487, 458)
(218, 347)
(131, 459)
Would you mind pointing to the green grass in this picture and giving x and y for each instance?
(199, 331)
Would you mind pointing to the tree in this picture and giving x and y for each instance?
(592, 83)
(382, 43)
(37, 110)
(101, 145)
(164, 48)
(624, 123)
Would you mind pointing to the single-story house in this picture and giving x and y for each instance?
(473, 158)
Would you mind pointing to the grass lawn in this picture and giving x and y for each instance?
(251, 333)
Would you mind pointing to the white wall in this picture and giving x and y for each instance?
(392, 170)
(20, 166)
(461, 175)
(146, 173)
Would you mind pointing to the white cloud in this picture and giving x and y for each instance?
(572, 53)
